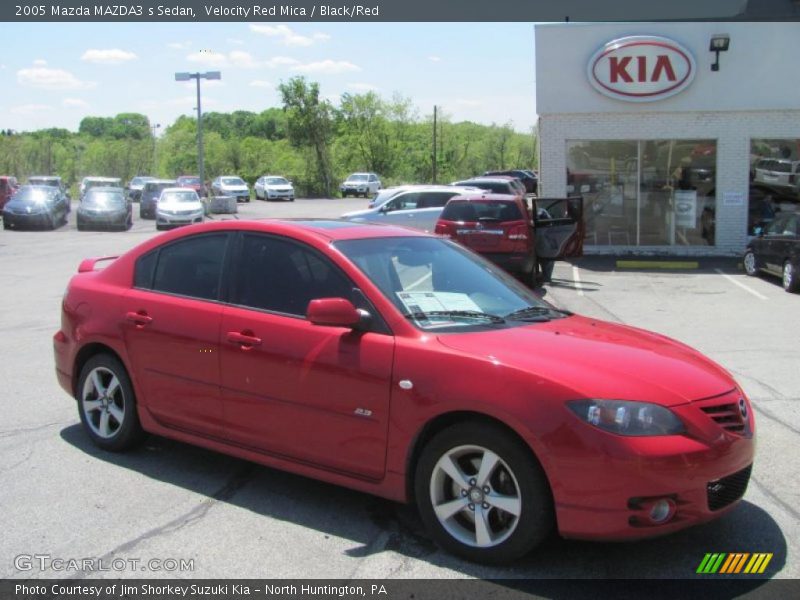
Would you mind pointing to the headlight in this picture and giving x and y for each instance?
(627, 418)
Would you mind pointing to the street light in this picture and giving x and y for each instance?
(153, 128)
(198, 76)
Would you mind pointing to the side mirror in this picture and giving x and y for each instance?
(335, 312)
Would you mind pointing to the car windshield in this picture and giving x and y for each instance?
(189, 181)
(232, 181)
(104, 200)
(178, 197)
(33, 195)
(357, 177)
(276, 181)
(439, 285)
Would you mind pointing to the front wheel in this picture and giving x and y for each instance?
(791, 277)
(482, 494)
(750, 263)
(107, 404)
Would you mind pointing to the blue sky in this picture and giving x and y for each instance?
(55, 74)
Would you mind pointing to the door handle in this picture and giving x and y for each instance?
(244, 339)
(140, 318)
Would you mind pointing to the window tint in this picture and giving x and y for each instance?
(284, 276)
(434, 199)
(145, 267)
(192, 267)
(778, 226)
(477, 210)
(404, 201)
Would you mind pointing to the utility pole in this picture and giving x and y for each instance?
(198, 77)
(155, 161)
(434, 143)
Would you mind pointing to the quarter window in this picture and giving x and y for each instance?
(191, 267)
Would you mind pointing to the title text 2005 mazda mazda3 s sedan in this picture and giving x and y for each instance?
(403, 365)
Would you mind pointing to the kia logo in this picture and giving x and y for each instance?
(641, 68)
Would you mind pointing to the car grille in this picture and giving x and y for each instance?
(727, 490)
(725, 412)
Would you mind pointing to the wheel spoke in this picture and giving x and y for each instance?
(105, 430)
(483, 533)
(113, 386)
(509, 504)
(98, 385)
(91, 405)
(448, 509)
(488, 463)
(456, 474)
(116, 412)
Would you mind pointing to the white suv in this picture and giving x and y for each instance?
(778, 173)
(360, 184)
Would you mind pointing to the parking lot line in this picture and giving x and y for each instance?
(746, 288)
(577, 277)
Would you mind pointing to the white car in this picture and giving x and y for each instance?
(273, 187)
(360, 184)
(231, 185)
(779, 173)
(417, 206)
(179, 206)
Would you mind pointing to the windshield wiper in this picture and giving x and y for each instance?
(464, 314)
(532, 312)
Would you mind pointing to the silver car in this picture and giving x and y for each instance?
(361, 184)
(179, 206)
(417, 206)
(273, 187)
(231, 185)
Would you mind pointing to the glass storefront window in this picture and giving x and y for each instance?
(645, 193)
(774, 180)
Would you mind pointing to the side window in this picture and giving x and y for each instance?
(404, 202)
(192, 267)
(373, 178)
(283, 276)
(434, 199)
(777, 226)
(144, 270)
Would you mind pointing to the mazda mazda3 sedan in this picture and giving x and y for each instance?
(403, 365)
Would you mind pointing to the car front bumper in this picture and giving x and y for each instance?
(279, 195)
(165, 219)
(26, 220)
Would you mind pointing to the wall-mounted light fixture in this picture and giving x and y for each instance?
(719, 43)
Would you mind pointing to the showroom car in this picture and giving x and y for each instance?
(403, 365)
(104, 208)
(35, 206)
(776, 251)
(273, 187)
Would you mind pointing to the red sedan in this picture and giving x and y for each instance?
(403, 365)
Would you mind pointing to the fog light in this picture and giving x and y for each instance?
(661, 511)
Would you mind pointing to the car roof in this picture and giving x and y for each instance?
(485, 197)
(104, 188)
(161, 181)
(177, 189)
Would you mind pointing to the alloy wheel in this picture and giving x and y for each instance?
(103, 402)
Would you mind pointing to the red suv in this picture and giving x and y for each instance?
(8, 185)
(502, 229)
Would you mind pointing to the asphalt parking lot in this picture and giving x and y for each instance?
(64, 498)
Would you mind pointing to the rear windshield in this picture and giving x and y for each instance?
(477, 210)
(496, 187)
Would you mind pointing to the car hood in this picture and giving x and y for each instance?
(16, 203)
(234, 188)
(596, 359)
(359, 213)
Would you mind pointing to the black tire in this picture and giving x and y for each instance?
(6, 224)
(128, 433)
(79, 224)
(791, 279)
(750, 262)
(527, 481)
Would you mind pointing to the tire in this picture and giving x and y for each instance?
(750, 263)
(459, 452)
(6, 224)
(108, 415)
(79, 225)
(791, 277)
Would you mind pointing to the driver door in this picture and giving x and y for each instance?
(559, 227)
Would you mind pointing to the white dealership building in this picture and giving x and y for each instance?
(681, 137)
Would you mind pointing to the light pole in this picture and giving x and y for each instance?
(155, 162)
(198, 76)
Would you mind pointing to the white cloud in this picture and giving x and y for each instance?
(281, 61)
(40, 62)
(239, 58)
(109, 56)
(235, 42)
(287, 36)
(74, 103)
(362, 87)
(327, 67)
(179, 45)
(468, 103)
(30, 109)
(261, 83)
(208, 58)
(434, 59)
(51, 79)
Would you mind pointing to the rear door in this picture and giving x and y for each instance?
(559, 227)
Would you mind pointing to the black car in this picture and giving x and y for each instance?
(776, 251)
(35, 206)
(528, 179)
(105, 208)
(55, 182)
(150, 193)
(136, 185)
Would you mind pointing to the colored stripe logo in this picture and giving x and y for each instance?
(734, 563)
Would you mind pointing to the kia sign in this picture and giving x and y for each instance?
(641, 68)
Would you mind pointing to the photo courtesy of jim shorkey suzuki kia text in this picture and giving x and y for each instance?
(243, 11)
(190, 590)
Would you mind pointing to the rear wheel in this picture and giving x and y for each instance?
(791, 277)
(107, 404)
(482, 494)
(750, 263)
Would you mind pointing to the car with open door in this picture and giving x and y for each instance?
(776, 251)
(522, 238)
(401, 364)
